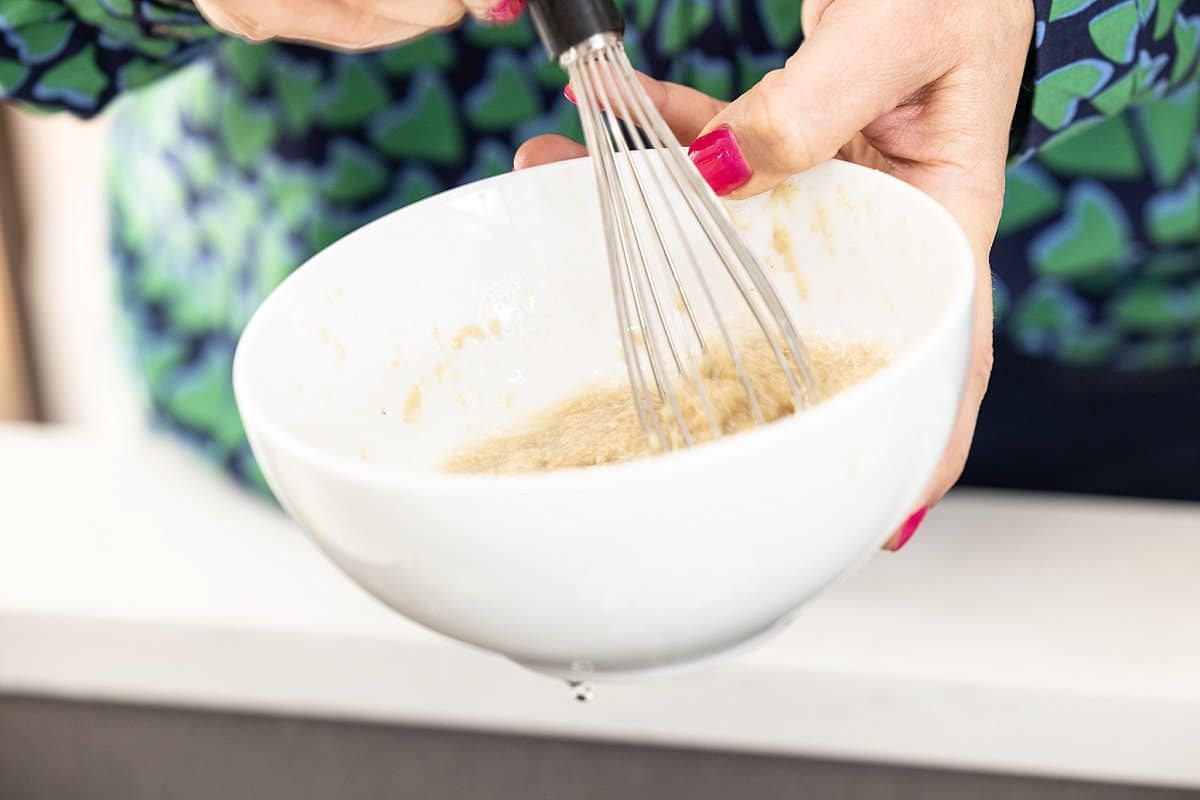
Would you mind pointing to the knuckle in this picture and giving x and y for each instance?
(253, 28)
(811, 13)
(783, 138)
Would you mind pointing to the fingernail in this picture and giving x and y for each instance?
(910, 527)
(717, 155)
(507, 11)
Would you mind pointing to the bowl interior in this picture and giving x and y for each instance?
(452, 319)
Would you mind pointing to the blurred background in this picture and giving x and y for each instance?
(60, 358)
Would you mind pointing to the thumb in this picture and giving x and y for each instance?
(804, 113)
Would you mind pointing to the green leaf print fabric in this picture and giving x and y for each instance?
(228, 174)
(80, 54)
(1098, 259)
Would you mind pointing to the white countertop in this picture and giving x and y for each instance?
(1033, 635)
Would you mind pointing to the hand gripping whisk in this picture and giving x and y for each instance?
(682, 275)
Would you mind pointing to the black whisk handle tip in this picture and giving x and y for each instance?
(562, 24)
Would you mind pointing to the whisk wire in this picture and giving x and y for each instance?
(664, 139)
(597, 142)
(624, 127)
(644, 182)
(701, 194)
(637, 266)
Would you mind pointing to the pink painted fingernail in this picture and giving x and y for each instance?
(507, 11)
(569, 93)
(910, 527)
(719, 158)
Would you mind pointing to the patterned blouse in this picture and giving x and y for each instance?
(231, 164)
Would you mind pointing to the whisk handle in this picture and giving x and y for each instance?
(562, 24)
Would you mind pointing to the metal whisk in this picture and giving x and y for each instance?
(655, 208)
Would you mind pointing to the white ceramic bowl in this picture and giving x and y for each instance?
(613, 571)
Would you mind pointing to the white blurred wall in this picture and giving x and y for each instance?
(60, 171)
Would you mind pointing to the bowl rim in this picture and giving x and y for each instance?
(260, 423)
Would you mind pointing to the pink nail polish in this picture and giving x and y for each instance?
(719, 158)
(507, 11)
(910, 526)
(569, 93)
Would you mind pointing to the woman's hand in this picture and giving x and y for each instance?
(349, 24)
(922, 89)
